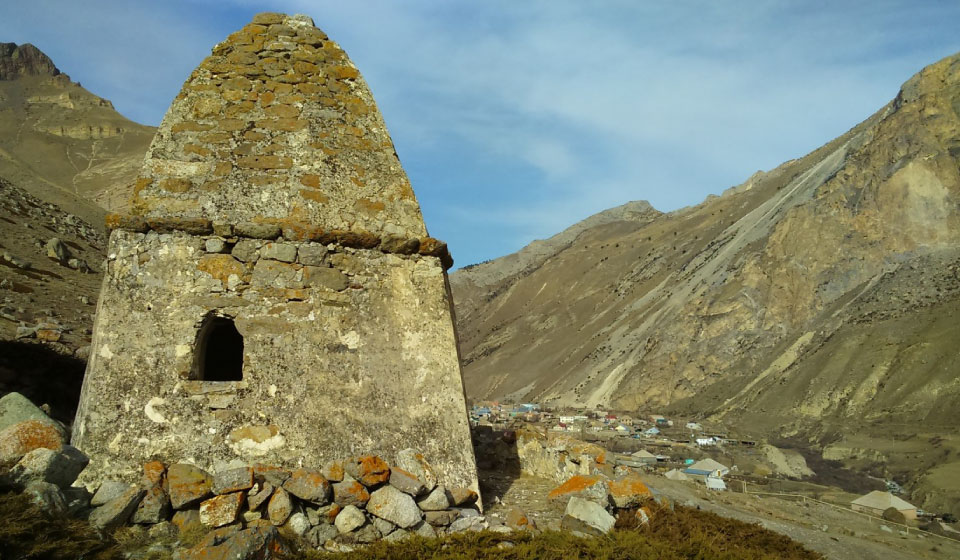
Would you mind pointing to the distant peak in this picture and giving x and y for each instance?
(24, 60)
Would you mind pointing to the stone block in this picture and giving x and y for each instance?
(328, 513)
(285, 252)
(312, 254)
(233, 480)
(280, 507)
(117, 511)
(475, 523)
(48, 497)
(109, 490)
(368, 470)
(350, 492)
(246, 250)
(256, 230)
(309, 486)
(319, 535)
(406, 482)
(436, 500)
(188, 522)
(414, 463)
(188, 485)
(394, 506)
(324, 277)
(221, 510)
(460, 496)
(518, 520)
(333, 471)
(587, 516)
(440, 518)
(297, 524)
(350, 519)
(154, 507)
(259, 495)
(215, 245)
(275, 274)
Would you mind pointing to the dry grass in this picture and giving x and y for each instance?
(27, 533)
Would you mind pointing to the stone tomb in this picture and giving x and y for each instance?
(274, 296)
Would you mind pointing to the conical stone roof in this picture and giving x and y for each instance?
(278, 127)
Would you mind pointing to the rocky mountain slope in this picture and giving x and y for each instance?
(60, 142)
(815, 302)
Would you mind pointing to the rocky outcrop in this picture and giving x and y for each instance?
(17, 61)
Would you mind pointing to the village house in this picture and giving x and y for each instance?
(878, 501)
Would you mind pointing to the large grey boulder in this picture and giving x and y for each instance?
(587, 517)
(56, 467)
(394, 506)
(436, 500)
(414, 463)
(47, 497)
(16, 408)
(109, 490)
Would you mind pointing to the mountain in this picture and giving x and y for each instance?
(62, 143)
(814, 304)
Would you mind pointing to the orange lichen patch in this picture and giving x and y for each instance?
(267, 97)
(367, 206)
(129, 223)
(629, 491)
(517, 520)
(298, 231)
(347, 493)
(153, 472)
(23, 437)
(315, 196)
(176, 185)
(260, 471)
(369, 470)
(575, 485)
(432, 247)
(356, 239)
(193, 226)
(221, 267)
(330, 513)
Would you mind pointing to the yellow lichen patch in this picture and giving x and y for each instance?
(176, 185)
(312, 181)
(344, 72)
(267, 98)
(285, 124)
(215, 137)
(223, 168)
(315, 196)
(221, 267)
(141, 184)
(368, 206)
(575, 485)
(188, 126)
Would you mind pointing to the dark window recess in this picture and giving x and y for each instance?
(219, 351)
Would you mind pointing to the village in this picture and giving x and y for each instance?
(713, 459)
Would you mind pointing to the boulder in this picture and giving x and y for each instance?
(297, 524)
(188, 522)
(368, 470)
(309, 486)
(15, 408)
(47, 497)
(587, 516)
(117, 511)
(590, 487)
(383, 526)
(187, 485)
(56, 467)
(628, 492)
(350, 519)
(109, 490)
(475, 523)
(154, 507)
(255, 543)
(424, 529)
(233, 480)
(280, 507)
(413, 462)
(221, 510)
(57, 250)
(460, 496)
(441, 518)
(268, 473)
(333, 471)
(350, 492)
(328, 513)
(518, 520)
(319, 535)
(259, 495)
(78, 500)
(398, 535)
(153, 472)
(406, 482)
(436, 500)
(23, 437)
(394, 506)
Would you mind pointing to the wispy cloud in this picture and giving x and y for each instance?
(515, 119)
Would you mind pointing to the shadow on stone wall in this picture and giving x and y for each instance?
(42, 375)
(498, 463)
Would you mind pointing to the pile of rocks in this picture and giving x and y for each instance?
(593, 502)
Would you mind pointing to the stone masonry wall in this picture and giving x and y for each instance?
(278, 125)
(345, 351)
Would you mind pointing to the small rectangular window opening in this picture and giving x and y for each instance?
(219, 351)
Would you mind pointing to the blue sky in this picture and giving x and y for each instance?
(515, 119)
